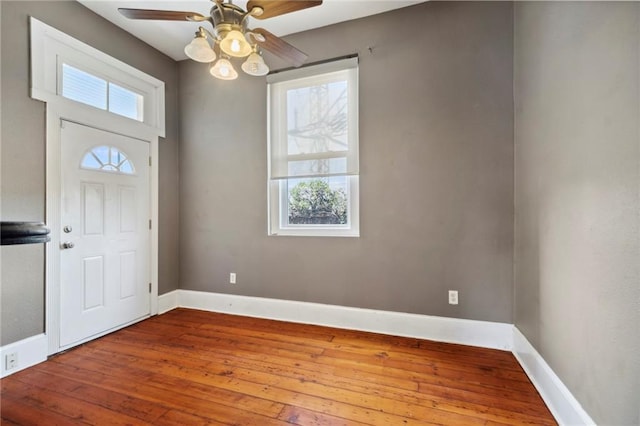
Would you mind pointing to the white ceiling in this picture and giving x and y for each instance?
(170, 37)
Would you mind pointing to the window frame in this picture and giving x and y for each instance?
(278, 194)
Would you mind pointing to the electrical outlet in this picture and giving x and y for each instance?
(232, 278)
(453, 297)
(11, 361)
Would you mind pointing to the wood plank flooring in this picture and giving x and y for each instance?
(190, 367)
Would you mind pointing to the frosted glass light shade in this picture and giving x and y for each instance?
(234, 44)
(254, 65)
(223, 69)
(200, 51)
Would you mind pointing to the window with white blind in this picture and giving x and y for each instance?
(83, 86)
(313, 150)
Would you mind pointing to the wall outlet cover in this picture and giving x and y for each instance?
(11, 361)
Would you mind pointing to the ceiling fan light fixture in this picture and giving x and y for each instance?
(231, 36)
(223, 69)
(199, 49)
(254, 65)
(235, 44)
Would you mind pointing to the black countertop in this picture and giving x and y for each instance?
(23, 233)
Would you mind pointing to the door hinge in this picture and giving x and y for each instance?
(149, 287)
(149, 161)
(149, 223)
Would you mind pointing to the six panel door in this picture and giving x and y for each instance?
(105, 237)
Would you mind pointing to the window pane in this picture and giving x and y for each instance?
(317, 118)
(115, 156)
(126, 167)
(102, 153)
(83, 87)
(90, 162)
(125, 102)
(317, 201)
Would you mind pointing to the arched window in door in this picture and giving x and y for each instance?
(107, 159)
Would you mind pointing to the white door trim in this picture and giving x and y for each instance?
(62, 109)
(49, 48)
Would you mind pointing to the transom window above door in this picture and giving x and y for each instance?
(82, 86)
(107, 159)
(74, 74)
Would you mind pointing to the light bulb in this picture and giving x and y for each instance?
(223, 69)
(234, 44)
(199, 50)
(254, 65)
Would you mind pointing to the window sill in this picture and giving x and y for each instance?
(306, 232)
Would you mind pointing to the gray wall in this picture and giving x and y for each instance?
(577, 254)
(436, 146)
(23, 151)
(437, 189)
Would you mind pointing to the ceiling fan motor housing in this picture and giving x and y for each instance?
(227, 17)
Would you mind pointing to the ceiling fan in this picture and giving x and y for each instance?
(231, 36)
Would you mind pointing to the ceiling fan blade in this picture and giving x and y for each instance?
(271, 8)
(281, 48)
(161, 15)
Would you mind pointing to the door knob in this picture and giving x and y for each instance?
(67, 245)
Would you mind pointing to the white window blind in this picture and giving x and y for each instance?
(314, 121)
(125, 102)
(82, 86)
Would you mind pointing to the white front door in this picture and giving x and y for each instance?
(104, 235)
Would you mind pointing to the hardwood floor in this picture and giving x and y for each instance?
(190, 367)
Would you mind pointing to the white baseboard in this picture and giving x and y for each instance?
(168, 301)
(562, 404)
(467, 332)
(30, 351)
